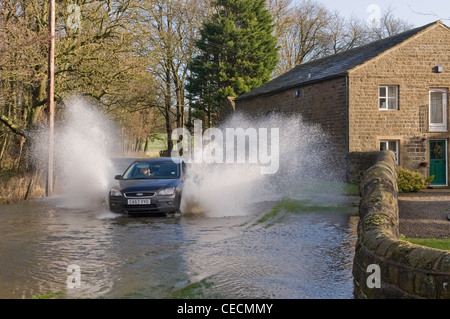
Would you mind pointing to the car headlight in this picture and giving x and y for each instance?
(167, 191)
(115, 192)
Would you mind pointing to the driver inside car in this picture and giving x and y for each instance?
(144, 172)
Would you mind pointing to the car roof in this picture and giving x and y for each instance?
(160, 160)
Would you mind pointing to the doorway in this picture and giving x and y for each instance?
(438, 162)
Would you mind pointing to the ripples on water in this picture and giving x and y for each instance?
(302, 255)
(307, 255)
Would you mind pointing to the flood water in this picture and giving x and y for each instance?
(71, 246)
(301, 255)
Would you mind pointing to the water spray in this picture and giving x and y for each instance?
(305, 160)
(84, 141)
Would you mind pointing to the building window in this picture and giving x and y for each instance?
(388, 97)
(390, 146)
(438, 110)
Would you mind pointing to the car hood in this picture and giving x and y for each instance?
(147, 184)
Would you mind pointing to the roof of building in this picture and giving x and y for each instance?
(332, 66)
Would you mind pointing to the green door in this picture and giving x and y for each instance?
(438, 162)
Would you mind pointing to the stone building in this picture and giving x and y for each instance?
(390, 94)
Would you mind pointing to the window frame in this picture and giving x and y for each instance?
(387, 97)
(438, 127)
(397, 148)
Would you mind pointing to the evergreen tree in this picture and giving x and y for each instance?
(238, 52)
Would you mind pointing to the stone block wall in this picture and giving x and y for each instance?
(402, 269)
(358, 164)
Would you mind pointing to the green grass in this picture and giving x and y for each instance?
(285, 206)
(293, 206)
(158, 144)
(51, 295)
(274, 212)
(443, 244)
(195, 290)
(351, 189)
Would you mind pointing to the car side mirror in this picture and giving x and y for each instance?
(118, 177)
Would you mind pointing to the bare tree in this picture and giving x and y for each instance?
(303, 36)
(309, 31)
(282, 17)
(96, 59)
(171, 29)
(433, 14)
(22, 76)
(389, 25)
(344, 34)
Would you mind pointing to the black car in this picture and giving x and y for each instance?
(150, 186)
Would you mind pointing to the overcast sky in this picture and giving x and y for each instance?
(417, 12)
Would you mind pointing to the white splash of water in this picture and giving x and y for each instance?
(306, 160)
(222, 189)
(83, 142)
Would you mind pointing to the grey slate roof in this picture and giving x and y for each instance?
(331, 66)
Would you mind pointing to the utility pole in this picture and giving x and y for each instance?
(51, 93)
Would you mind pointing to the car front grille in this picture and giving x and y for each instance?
(141, 194)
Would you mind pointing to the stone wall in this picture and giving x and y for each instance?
(358, 164)
(385, 266)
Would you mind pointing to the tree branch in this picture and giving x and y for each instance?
(13, 127)
(428, 14)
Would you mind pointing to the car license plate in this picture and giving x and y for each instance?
(139, 202)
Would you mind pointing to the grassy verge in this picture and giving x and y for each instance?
(443, 244)
(158, 144)
(195, 290)
(51, 295)
(19, 186)
(351, 189)
(292, 206)
(286, 205)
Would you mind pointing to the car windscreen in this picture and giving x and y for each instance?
(154, 170)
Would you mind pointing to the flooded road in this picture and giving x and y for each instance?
(301, 255)
(61, 247)
(245, 233)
